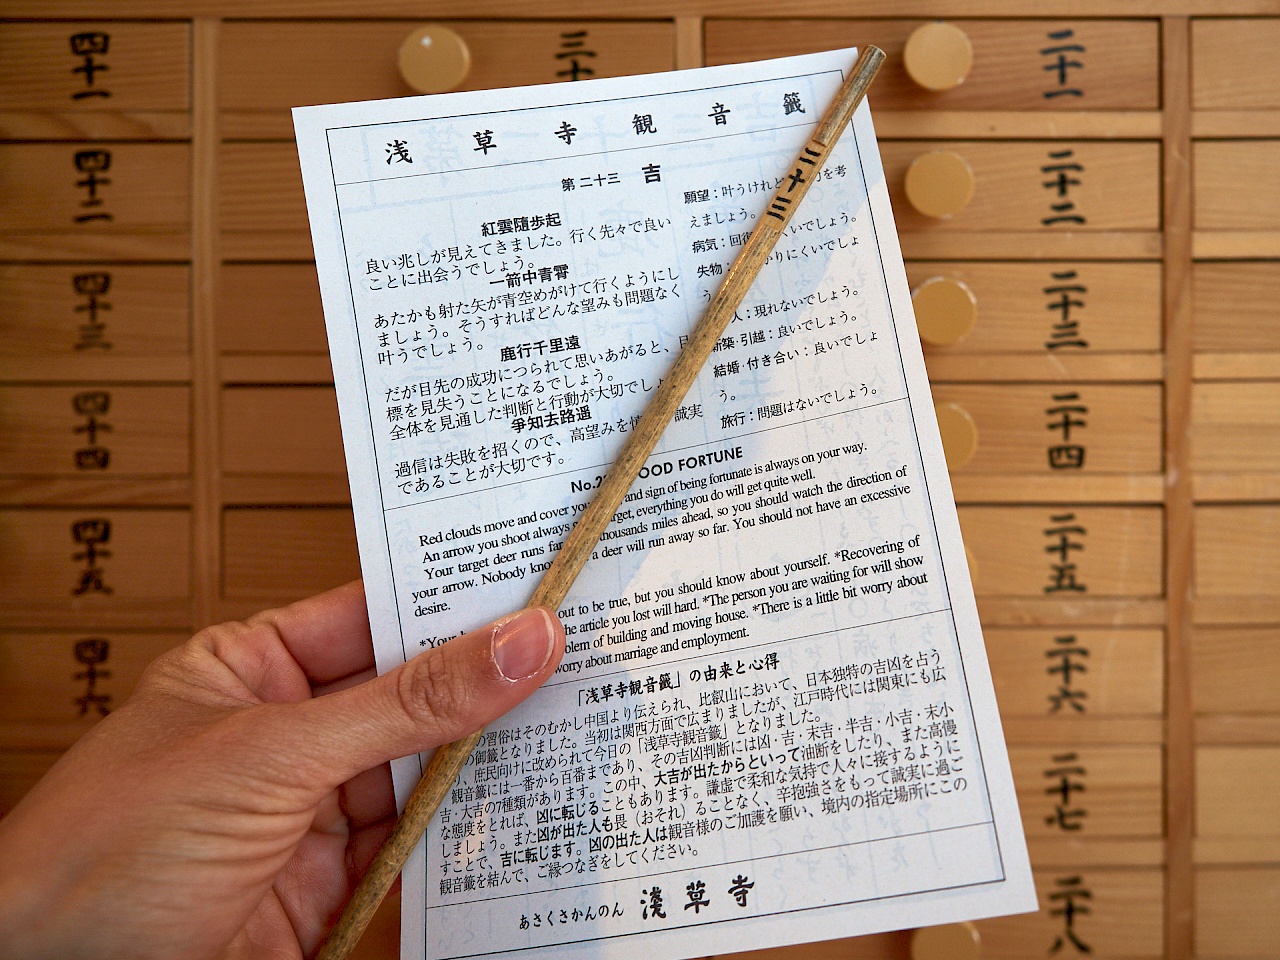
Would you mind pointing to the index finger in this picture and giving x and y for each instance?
(327, 635)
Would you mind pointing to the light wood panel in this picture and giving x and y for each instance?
(1117, 69)
(1078, 792)
(1232, 916)
(1235, 184)
(281, 430)
(270, 308)
(1120, 916)
(55, 686)
(1065, 553)
(95, 187)
(84, 313)
(95, 430)
(1237, 561)
(1076, 673)
(1234, 309)
(1238, 791)
(104, 565)
(1235, 427)
(1236, 670)
(1234, 64)
(277, 555)
(97, 65)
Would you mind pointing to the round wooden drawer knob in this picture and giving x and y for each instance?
(959, 434)
(973, 566)
(939, 183)
(938, 56)
(434, 59)
(946, 310)
(951, 941)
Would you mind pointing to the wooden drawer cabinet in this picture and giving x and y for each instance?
(277, 555)
(95, 565)
(1234, 64)
(95, 65)
(95, 186)
(1059, 429)
(1038, 186)
(95, 430)
(270, 308)
(1017, 64)
(1235, 184)
(1059, 309)
(54, 686)
(86, 314)
(266, 68)
(1065, 552)
(281, 430)
(1076, 673)
(1237, 563)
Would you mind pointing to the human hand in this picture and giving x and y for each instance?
(230, 806)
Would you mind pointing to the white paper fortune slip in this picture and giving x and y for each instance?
(774, 722)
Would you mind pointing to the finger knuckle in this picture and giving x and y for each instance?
(431, 694)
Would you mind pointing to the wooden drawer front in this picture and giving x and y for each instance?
(1082, 792)
(1235, 184)
(1235, 426)
(1054, 186)
(270, 308)
(93, 312)
(93, 560)
(1234, 915)
(1237, 566)
(97, 65)
(263, 213)
(1066, 553)
(1070, 673)
(1234, 64)
(97, 186)
(54, 686)
(277, 555)
(1060, 429)
(281, 430)
(1017, 64)
(1057, 308)
(1235, 670)
(19, 771)
(1234, 306)
(93, 430)
(266, 68)
(1094, 912)
(1238, 792)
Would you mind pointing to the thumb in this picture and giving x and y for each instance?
(439, 696)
